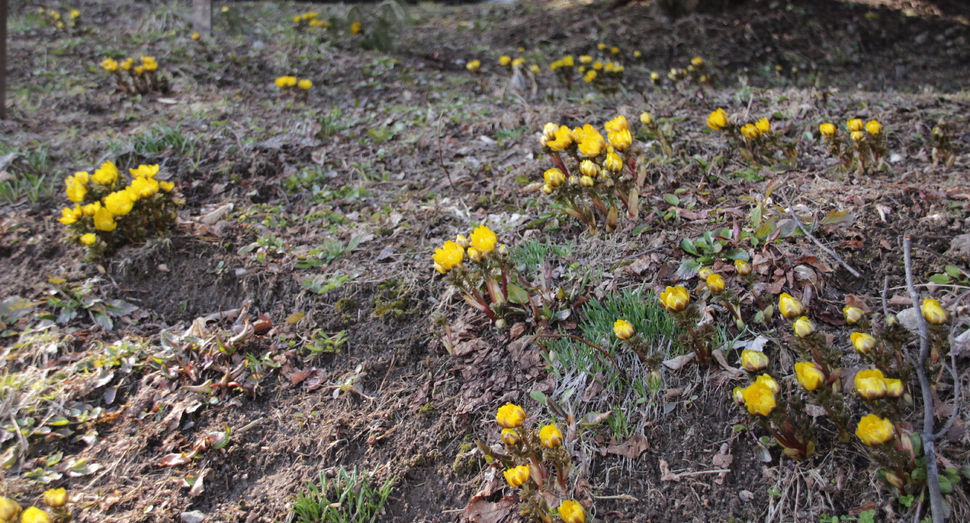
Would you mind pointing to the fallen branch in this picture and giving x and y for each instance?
(828, 251)
(929, 438)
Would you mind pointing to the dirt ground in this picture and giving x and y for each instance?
(316, 222)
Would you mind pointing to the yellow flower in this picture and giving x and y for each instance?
(510, 437)
(474, 65)
(118, 203)
(894, 388)
(145, 171)
(715, 283)
(74, 13)
(696, 61)
(55, 497)
(759, 399)
(826, 129)
(567, 61)
(789, 306)
(535, 69)
(750, 131)
(718, 119)
(769, 382)
(196, 37)
(554, 177)
(550, 437)
(106, 175)
(91, 208)
(804, 327)
(704, 272)
(35, 515)
(754, 361)
(572, 512)
(809, 376)
(109, 64)
(585, 59)
(149, 65)
(870, 384)
(601, 46)
(505, 60)
(76, 191)
(590, 76)
(356, 28)
(281, 81)
(617, 124)
(615, 50)
(763, 125)
(104, 220)
(588, 168)
(448, 256)
(738, 396)
(742, 267)
(613, 162)
(144, 187)
(483, 239)
(623, 329)
(675, 299)
(510, 416)
(9, 510)
(69, 216)
(88, 239)
(564, 138)
(598, 66)
(126, 63)
(862, 342)
(853, 314)
(857, 136)
(474, 254)
(637, 54)
(517, 476)
(592, 145)
(646, 118)
(873, 127)
(621, 140)
(304, 84)
(166, 186)
(655, 77)
(873, 430)
(854, 125)
(586, 181)
(933, 312)
(518, 62)
(140, 69)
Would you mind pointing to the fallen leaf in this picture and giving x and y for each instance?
(678, 362)
(198, 487)
(666, 474)
(480, 510)
(631, 448)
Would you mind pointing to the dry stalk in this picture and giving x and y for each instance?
(828, 251)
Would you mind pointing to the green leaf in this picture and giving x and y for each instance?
(58, 421)
(953, 271)
(940, 279)
(945, 486)
(538, 396)
(518, 295)
(688, 246)
(672, 200)
(837, 217)
(737, 254)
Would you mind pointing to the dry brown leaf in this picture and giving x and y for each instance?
(666, 474)
(480, 510)
(631, 448)
(679, 362)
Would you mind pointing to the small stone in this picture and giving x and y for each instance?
(193, 517)
(960, 247)
(909, 319)
(746, 495)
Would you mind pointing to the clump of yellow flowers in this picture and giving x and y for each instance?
(756, 141)
(563, 68)
(536, 462)
(134, 79)
(107, 211)
(292, 86)
(55, 499)
(592, 174)
(69, 23)
(490, 271)
(864, 149)
(310, 19)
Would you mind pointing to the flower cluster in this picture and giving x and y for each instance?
(755, 140)
(489, 270)
(55, 499)
(356, 28)
(529, 454)
(107, 211)
(605, 77)
(603, 172)
(292, 86)
(563, 69)
(864, 149)
(136, 79)
(310, 19)
(695, 73)
(67, 23)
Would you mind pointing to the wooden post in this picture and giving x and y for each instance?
(201, 16)
(3, 59)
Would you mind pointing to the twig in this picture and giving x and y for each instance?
(828, 251)
(929, 439)
(581, 340)
(885, 291)
(441, 159)
(952, 369)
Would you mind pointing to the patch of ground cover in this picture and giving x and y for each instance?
(370, 176)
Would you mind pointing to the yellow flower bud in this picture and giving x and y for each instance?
(853, 315)
(550, 437)
(554, 177)
(617, 124)
(517, 476)
(862, 342)
(70, 215)
(623, 329)
(510, 437)
(769, 382)
(715, 283)
(742, 267)
(589, 168)
(754, 361)
(789, 306)
(827, 129)
(809, 376)
(586, 181)
(804, 327)
(696, 61)
(55, 497)
(750, 132)
(621, 140)
(563, 139)
(474, 254)
(505, 60)
(88, 239)
(705, 272)
(854, 125)
(304, 84)
(718, 119)
(857, 136)
(873, 430)
(870, 384)
(646, 118)
(510, 416)
(763, 125)
(104, 220)
(738, 395)
(549, 130)
(9, 510)
(35, 515)
(613, 162)
(933, 312)
(873, 127)
(894, 388)
(675, 299)
(572, 512)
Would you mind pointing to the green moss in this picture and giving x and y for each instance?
(345, 305)
(427, 409)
